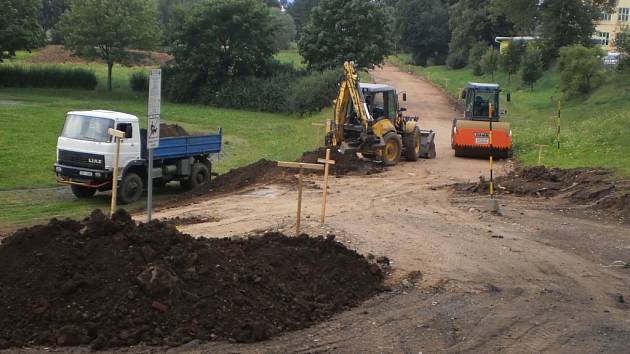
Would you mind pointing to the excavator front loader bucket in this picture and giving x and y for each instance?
(427, 144)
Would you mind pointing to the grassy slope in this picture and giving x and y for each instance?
(32, 119)
(594, 129)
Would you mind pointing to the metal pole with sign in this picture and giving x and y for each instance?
(153, 130)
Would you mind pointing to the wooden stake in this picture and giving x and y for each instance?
(540, 152)
(326, 163)
(299, 204)
(117, 135)
(301, 166)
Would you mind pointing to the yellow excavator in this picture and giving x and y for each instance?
(368, 119)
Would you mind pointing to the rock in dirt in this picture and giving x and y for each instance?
(112, 283)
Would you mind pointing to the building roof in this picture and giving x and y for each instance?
(99, 113)
(375, 87)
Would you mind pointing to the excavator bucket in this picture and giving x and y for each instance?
(472, 139)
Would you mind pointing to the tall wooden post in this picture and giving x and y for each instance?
(327, 161)
(117, 135)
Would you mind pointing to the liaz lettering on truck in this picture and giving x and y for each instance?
(85, 156)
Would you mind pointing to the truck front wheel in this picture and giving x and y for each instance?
(199, 176)
(130, 189)
(82, 192)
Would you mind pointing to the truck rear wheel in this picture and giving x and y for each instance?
(392, 150)
(199, 175)
(412, 145)
(82, 192)
(131, 188)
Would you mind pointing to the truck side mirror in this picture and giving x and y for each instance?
(463, 95)
(404, 96)
(508, 97)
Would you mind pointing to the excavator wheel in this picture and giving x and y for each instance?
(392, 150)
(412, 145)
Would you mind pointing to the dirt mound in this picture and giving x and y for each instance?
(170, 130)
(57, 54)
(111, 283)
(266, 171)
(344, 163)
(590, 186)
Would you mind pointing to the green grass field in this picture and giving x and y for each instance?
(594, 129)
(32, 119)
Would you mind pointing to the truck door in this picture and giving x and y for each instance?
(130, 145)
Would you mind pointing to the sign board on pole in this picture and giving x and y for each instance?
(155, 98)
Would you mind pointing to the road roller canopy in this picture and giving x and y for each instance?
(482, 101)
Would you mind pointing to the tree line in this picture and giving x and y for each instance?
(215, 41)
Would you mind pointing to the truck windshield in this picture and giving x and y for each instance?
(87, 128)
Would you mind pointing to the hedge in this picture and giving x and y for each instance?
(46, 76)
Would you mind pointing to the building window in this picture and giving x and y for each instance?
(603, 38)
(606, 16)
(623, 14)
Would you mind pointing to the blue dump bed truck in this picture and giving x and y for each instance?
(86, 154)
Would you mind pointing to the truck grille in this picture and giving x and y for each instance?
(81, 159)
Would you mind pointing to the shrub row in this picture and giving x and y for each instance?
(284, 89)
(46, 76)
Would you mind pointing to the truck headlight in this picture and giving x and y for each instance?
(57, 169)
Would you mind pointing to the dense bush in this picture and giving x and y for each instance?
(580, 69)
(139, 81)
(283, 89)
(474, 57)
(46, 76)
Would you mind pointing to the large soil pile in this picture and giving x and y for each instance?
(266, 171)
(111, 283)
(57, 54)
(594, 187)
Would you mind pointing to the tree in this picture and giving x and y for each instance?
(223, 39)
(567, 22)
(108, 28)
(19, 26)
(622, 43)
(523, 14)
(490, 61)
(341, 30)
(474, 57)
(300, 10)
(284, 29)
(423, 28)
(470, 22)
(580, 69)
(510, 59)
(51, 12)
(532, 66)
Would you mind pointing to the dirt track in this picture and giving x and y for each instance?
(536, 279)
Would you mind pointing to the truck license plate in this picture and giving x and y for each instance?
(85, 173)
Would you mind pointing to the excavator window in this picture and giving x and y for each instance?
(376, 102)
(391, 104)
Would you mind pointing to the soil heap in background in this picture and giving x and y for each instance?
(266, 171)
(110, 283)
(594, 187)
